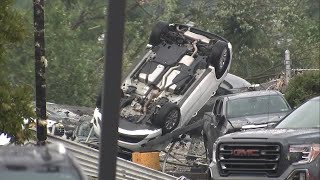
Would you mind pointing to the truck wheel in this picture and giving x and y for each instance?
(219, 58)
(159, 29)
(168, 117)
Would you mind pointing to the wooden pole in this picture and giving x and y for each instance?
(287, 63)
(40, 66)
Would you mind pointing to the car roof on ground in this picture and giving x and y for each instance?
(252, 94)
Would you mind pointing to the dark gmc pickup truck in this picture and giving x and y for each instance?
(288, 151)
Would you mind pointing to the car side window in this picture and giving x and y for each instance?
(217, 107)
(214, 110)
(220, 108)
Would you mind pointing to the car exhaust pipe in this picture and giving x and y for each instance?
(195, 48)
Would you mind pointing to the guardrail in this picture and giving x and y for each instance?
(88, 158)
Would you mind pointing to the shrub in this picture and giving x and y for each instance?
(15, 105)
(15, 101)
(303, 87)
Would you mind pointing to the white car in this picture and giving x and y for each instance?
(181, 70)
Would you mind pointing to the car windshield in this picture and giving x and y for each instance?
(306, 116)
(256, 105)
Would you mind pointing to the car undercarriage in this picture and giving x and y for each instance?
(182, 69)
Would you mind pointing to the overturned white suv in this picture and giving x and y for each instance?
(182, 69)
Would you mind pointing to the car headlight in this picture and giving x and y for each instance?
(304, 153)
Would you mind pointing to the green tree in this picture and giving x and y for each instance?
(303, 87)
(73, 52)
(260, 32)
(15, 101)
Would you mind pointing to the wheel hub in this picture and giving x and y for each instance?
(223, 59)
(172, 119)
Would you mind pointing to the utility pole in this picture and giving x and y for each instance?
(287, 63)
(111, 93)
(40, 66)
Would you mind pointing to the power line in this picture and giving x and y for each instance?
(263, 72)
(262, 76)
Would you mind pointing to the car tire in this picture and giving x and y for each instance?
(168, 117)
(156, 33)
(219, 58)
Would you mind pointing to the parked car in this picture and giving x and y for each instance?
(183, 67)
(230, 85)
(246, 110)
(50, 162)
(67, 116)
(289, 150)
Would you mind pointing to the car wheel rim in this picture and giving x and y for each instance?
(223, 59)
(172, 119)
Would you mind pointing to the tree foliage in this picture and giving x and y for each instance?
(260, 32)
(72, 50)
(15, 100)
(15, 105)
(303, 87)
